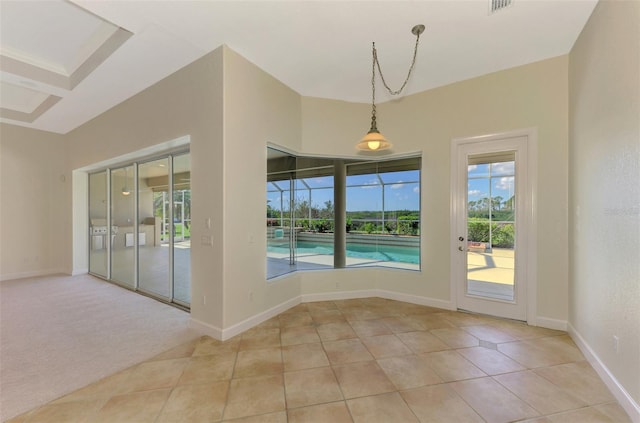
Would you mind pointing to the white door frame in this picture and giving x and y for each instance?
(530, 216)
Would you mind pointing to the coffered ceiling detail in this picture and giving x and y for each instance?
(46, 49)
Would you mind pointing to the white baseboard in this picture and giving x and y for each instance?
(255, 320)
(206, 329)
(549, 323)
(415, 299)
(367, 293)
(618, 391)
(230, 332)
(30, 274)
(338, 295)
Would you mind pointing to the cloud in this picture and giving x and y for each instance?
(321, 181)
(505, 183)
(416, 190)
(474, 192)
(398, 185)
(471, 168)
(504, 168)
(373, 183)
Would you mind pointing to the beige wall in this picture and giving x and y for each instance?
(604, 116)
(187, 103)
(531, 96)
(34, 181)
(257, 109)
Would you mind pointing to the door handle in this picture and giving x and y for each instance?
(460, 238)
(460, 248)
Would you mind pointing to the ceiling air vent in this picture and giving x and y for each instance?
(497, 5)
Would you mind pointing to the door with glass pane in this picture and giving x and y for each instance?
(490, 196)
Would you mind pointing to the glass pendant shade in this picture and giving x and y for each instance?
(373, 141)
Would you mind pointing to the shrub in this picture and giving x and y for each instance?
(408, 225)
(502, 235)
(369, 227)
(322, 225)
(478, 230)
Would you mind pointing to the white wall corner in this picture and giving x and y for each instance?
(255, 320)
(618, 391)
(206, 329)
(77, 272)
(549, 323)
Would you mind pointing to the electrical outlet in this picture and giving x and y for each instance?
(250, 295)
(616, 343)
(204, 300)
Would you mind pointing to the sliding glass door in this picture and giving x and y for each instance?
(140, 220)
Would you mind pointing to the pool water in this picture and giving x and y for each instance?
(364, 251)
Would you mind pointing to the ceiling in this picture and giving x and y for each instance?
(63, 63)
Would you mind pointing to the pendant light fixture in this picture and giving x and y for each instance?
(374, 140)
(125, 190)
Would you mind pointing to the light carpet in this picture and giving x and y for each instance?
(60, 333)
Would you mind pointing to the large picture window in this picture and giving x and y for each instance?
(382, 213)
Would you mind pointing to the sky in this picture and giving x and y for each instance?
(364, 192)
(401, 189)
(495, 179)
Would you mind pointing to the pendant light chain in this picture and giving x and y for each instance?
(374, 140)
(413, 63)
(373, 90)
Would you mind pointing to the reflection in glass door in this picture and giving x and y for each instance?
(154, 253)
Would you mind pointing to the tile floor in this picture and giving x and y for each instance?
(362, 360)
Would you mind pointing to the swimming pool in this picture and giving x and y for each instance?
(377, 252)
